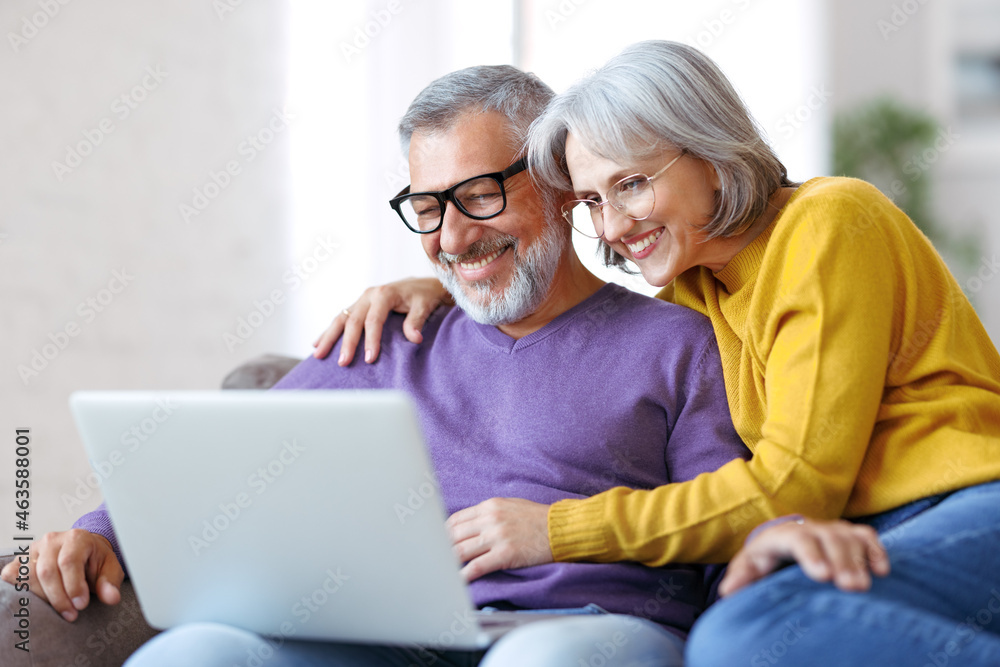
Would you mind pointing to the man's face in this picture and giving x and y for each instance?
(497, 270)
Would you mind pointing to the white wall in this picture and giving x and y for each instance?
(64, 238)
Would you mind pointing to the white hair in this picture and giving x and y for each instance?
(519, 96)
(653, 97)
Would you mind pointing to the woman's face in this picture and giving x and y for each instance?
(684, 202)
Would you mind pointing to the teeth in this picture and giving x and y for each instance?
(469, 266)
(645, 243)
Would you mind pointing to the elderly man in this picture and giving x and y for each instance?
(544, 383)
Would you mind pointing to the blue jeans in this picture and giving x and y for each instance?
(587, 637)
(939, 606)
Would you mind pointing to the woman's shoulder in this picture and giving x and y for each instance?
(837, 195)
(837, 210)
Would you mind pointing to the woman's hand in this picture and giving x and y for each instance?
(837, 551)
(500, 534)
(65, 567)
(418, 297)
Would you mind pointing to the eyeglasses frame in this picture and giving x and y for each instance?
(445, 196)
(596, 206)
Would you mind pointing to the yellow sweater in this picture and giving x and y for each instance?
(857, 373)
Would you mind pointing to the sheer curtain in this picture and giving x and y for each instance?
(354, 70)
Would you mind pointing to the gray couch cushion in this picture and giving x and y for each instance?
(101, 636)
(260, 372)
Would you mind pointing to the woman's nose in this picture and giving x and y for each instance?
(616, 224)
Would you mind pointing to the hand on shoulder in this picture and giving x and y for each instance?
(417, 297)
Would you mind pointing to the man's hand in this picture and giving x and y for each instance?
(837, 551)
(500, 534)
(65, 567)
(418, 297)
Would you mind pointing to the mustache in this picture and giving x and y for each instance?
(478, 249)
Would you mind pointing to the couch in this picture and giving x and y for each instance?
(102, 636)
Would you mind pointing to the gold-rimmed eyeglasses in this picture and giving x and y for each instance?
(632, 196)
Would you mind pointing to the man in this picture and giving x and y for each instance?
(544, 383)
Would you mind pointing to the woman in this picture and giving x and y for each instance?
(856, 371)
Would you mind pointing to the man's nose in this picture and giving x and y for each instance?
(616, 224)
(458, 231)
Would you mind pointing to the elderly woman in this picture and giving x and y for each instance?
(856, 371)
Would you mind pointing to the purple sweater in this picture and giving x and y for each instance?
(621, 390)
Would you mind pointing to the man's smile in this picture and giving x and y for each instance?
(483, 261)
(480, 260)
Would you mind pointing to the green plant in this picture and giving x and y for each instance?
(893, 147)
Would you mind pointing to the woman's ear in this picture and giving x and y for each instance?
(712, 175)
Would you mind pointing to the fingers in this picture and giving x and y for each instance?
(378, 313)
(878, 557)
(104, 573)
(9, 572)
(462, 516)
(470, 544)
(471, 548)
(810, 554)
(76, 552)
(461, 530)
(328, 338)
(109, 582)
(418, 297)
(847, 559)
(838, 551)
(415, 320)
(742, 571)
(353, 326)
(466, 534)
(480, 567)
(49, 578)
(66, 566)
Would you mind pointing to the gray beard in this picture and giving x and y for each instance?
(529, 285)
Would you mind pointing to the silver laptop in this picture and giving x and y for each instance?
(304, 514)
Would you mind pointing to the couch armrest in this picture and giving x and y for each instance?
(102, 635)
(261, 372)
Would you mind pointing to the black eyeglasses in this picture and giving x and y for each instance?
(480, 197)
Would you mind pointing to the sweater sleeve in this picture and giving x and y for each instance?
(99, 523)
(822, 332)
(703, 437)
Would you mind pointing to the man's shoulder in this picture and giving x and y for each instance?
(395, 350)
(651, 313)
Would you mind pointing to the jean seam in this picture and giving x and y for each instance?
(945, 542)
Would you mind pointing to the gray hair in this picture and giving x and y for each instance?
(520, 96)
(652, 97)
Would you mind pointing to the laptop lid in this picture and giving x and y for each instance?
(308, 514)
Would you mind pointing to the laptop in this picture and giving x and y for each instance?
(303, 514)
